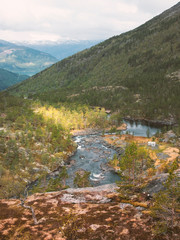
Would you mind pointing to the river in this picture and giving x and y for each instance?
(93, 155)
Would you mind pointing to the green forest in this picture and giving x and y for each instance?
(35, 139)
(8, 78)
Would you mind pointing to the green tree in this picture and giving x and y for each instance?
(64, 175)
(82, 179)
(128, 162)
(12, 154)
(167, 203)
(148, 132)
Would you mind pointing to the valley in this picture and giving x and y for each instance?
(90, 145)
(136, 73)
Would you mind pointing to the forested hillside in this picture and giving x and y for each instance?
(7, 78)
(137, 73)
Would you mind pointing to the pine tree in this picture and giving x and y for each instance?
(167, 203)
(82, 179)
(128, 163)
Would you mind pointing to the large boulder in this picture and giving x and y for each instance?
(169, 135)
(156, 184)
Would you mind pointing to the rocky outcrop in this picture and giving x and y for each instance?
(87, 131)
(156, 184)
(169, 136)
(88, 213)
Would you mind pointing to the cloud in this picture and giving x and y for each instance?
(74, 19)
(153, 6)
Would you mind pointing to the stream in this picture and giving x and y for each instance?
(93, 154)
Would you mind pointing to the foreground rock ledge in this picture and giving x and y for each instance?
(87, 213)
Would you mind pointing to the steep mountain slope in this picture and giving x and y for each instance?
(23, 60)
(7, 78)
(63, 49)
(137, 72)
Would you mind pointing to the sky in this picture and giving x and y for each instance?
(62, 20)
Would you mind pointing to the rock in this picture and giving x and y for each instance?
(104, 167)
(125, 205)
(140, 209)
(134, 198)
(96, 160)
(156, 184)
(97, 198)
(81, 230)
(169, 135)
(107, 187)
(70, 198)
(36, 170)
(38, 144)
(72, 162)
(94, 227)
(125, 231)
(55, 173)
(162, 156)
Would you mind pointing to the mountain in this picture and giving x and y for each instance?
(8, 78)
(62, 50)
(23, 60)
(136, 73)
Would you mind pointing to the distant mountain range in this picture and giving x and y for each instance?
(23, 60)
(62, 50)
(8, 78)
(136, 73)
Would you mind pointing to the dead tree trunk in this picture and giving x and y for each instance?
(28, 207)
(32, 210)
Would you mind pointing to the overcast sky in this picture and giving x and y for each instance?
(53, 20)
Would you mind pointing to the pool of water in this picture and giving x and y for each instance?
(138, 128)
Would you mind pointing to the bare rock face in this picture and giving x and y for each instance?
(156, 184)
(169, 135)
(88, 213)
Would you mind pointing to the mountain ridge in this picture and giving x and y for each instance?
(142, 61)
(8, 78)
(62, 50)
(23, 60)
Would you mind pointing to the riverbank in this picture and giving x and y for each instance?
(153, 122)
(93, 131)
(161, 157)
